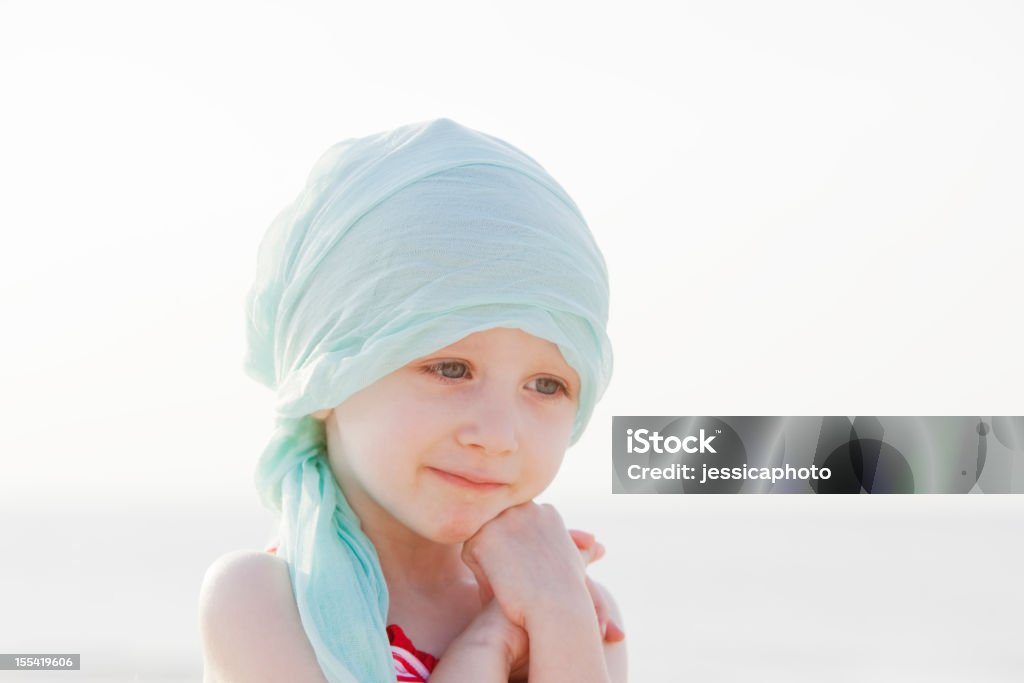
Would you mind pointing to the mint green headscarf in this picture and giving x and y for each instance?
(401, 243)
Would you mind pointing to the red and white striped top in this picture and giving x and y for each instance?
(410, 664)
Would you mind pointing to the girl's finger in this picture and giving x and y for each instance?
(614, 633)
(611, 632)
(582, 539)
(588, 545)
(600, 608)
(602, 619)
(593, 553)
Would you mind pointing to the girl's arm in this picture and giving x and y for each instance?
(250, 625)
(471, 661)
(552, 652)
(483, 652)
(565, 639)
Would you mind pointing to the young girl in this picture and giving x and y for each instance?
(431, 314)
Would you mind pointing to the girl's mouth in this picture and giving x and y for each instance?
(466, 483)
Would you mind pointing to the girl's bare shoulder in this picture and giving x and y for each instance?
(249, 622)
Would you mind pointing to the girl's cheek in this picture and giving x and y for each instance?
(541, 474)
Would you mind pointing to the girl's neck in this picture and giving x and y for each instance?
(413, 563)
(410, 562)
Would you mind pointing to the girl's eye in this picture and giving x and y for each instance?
(448, 369)
(550, 387)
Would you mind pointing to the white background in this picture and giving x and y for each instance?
(806, 208)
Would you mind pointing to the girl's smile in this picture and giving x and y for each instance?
(475, 482)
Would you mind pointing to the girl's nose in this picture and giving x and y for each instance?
(491, 422)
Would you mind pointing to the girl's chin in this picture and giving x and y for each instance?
(456, 530)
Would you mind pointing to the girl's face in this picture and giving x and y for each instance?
(446, 443)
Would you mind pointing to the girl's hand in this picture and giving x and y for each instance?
(527, 560)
